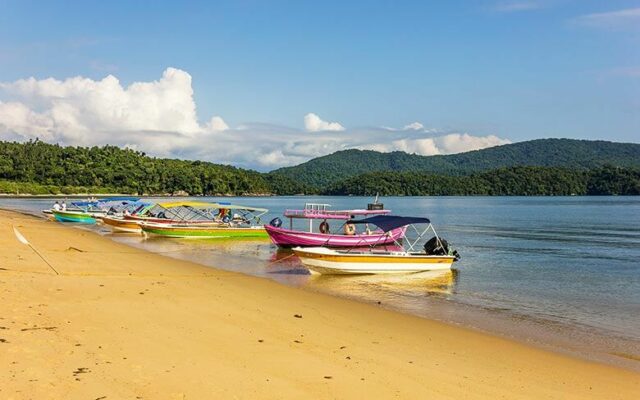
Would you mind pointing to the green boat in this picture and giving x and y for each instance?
(200, 231)
(87, 212)
(198, 219)
(80, 217)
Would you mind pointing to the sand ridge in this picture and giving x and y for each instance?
(121, 323)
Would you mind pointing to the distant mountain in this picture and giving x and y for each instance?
(568, 153)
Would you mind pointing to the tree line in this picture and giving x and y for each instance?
(36, 167)
(513, 181)
(43, 168)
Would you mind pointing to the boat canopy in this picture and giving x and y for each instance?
(174, 204)
(120, 198)
(390, 222)
(209, 205)
(203, 210)
(114, 200)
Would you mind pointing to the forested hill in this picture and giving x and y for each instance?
(40, 168)
(541, 167)
(576, 154)
(512, 181)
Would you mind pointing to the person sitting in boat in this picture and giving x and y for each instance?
(221, 214)
(324, 227)
(56, 207)
(349, 229)
(63, 207)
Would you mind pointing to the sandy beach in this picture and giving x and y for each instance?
(120, 323)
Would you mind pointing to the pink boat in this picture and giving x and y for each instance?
(290, 237)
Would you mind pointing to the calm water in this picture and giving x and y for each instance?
(557, 271)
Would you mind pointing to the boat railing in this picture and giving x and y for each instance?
(331, 214)
(317, 214)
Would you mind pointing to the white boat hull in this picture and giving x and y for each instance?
(326, 261)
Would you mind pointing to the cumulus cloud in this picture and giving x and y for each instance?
(217, 124)
(617, 20)
(313, 123)
(462, 142)
(159, 117)
(82, 108)
(445, 144)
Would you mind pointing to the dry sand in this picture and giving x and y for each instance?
(121, 323)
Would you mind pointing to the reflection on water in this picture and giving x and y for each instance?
(547, 269)
(382, 287)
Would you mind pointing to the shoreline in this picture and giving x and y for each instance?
(142, 196)
(249, 335)
(584, 342)
(258, 195)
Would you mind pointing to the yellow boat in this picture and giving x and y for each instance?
(129, 219)
(329, 261)
(436, 254)
(122, 224)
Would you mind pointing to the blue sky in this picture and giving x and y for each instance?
(517, 70)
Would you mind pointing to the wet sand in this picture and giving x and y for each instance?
(119, 322)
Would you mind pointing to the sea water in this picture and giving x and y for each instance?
(559, 272)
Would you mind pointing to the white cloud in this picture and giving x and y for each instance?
(414, 126)
(445, 144)
(81, 106)
(159, 117)
(314, 123)
(618, 20)
(462, 142)
(217, 124)
(424, 146)
(23, 122)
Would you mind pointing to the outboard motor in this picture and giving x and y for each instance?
(276, 222)
(435, 247)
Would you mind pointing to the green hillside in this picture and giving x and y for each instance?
(539, 167)
(40, 168)
(511, 181)
(576, 154)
